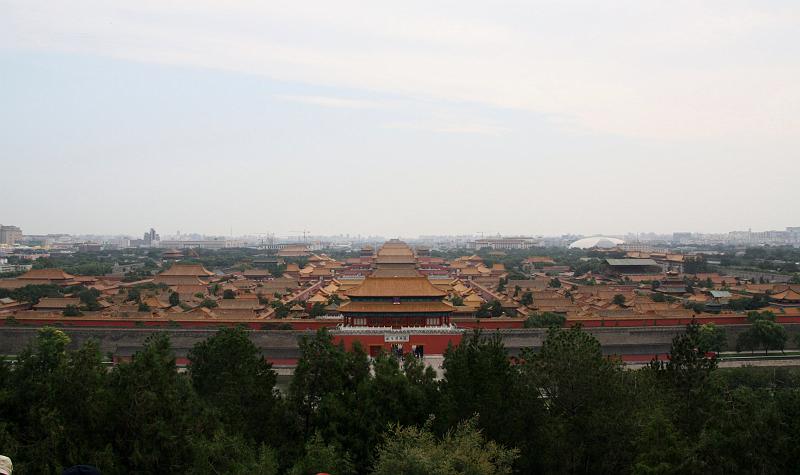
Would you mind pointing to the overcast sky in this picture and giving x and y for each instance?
(399, 118)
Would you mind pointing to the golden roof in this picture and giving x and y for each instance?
(396, 287)
(788, 294)
(48, 274)
(318, 297)
(185, 270)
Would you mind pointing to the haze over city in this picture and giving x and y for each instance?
(457, 117)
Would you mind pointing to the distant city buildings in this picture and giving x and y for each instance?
(789, 237)
(509, 242)
(281, 246)
(198, 244)
(10, 235)
(151, 238)
(5, 267)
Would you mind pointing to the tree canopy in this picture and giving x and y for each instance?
(564, 407)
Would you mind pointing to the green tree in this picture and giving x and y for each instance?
(323, 371)
(320, 457)
(32, 293)
(584, 393)
(695, 266)
(72, 311)
(554, 282)
(545, 320)
(55, 400)
(618, 299)
(317, 310)
(223, 453)
(281, 309)
(763, 333)
(394, 395)
(754, 316)
(495, 308)
(228, 294)
(154, 412)
(484, 310)
(134, 295)
(478, 378)
(327, 396)
(661, 448)
(527, 298)
(501, 286)
(88, 298)
(411, 451)
(712, 338)
(174, 299)
(744, 435)
(229, 373)
(209, 303)
(685, 379)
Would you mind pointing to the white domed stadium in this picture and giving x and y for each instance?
(600, 242)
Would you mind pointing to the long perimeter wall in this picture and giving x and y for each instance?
(282, 346)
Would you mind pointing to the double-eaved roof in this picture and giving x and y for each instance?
(45, 274)
(788, 294)
(396, 287)
(195, 270)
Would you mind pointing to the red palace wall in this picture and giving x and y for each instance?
(666, 322)
(432, 344)
(488, 323)
(121, 323)
(310, 324)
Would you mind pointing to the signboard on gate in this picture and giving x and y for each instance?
(395, 337)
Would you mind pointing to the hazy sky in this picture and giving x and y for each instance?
(399, 118)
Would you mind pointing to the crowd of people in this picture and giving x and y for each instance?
(416, 350)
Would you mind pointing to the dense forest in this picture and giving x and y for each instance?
(565, 408)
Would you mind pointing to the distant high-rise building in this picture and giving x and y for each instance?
(10, 234)
(151, 238)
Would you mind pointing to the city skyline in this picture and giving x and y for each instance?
(152, 235)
